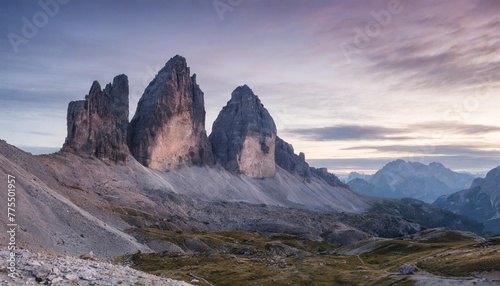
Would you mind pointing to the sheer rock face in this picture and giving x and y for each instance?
(97, 126)
(296, 164)
(168, 128)
(244, 136)
(293, 163)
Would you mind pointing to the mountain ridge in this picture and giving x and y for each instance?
(480, 202)
(399, 179)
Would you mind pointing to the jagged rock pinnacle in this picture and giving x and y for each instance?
(97, 126)
(244, 136)
(168, 128)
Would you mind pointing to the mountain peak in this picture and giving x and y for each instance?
(97, 126)
(397, 162)
(400, 178)
(437, 165)
(357, 175)
(242, 91)
(168, 128)
(178, 58)
(246, 95)
(244, 135)
(244, 87)
(480, 202)
(493, 175)
(95, 88)
(176, 63)
(247, 105)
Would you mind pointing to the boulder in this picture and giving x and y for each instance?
(408, 269)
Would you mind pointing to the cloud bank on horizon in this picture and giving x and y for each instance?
(353, 84)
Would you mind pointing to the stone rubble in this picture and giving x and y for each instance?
(47, 269)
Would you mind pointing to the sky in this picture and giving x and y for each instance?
(352, 84)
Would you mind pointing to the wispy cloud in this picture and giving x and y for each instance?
(349, 132)
(428, 45)
(472, 151)
(456, 128)
(413, 131)
(443, 49)
(41, 133)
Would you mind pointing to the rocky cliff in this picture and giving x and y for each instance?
(291, 162)
(244, 136)
(296, 164)
(168, 128)
(328, 177)
(97, 126)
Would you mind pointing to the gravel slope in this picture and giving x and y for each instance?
(38, 268)
(72, 205)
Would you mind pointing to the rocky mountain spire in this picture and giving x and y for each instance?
(97, 126)
(168, 128)
(244, 136)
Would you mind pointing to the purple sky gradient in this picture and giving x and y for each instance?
(421, 84)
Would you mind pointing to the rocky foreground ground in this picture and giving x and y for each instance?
(46, 269)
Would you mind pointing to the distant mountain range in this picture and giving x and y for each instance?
(401, 179)
(480, 202)
(356, 175)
